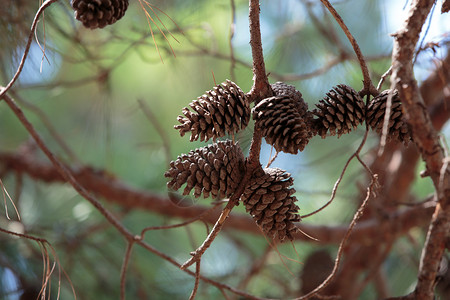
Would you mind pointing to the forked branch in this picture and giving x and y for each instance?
(261, 89)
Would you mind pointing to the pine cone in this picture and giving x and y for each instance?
(215, 169)
(397, 127)
(99, 13)
(316, 268)
(340, 111)
(268, 198)
(284, 122)
(223, 110)
(283, 89)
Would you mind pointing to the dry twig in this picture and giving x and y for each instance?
(123, 270)
(368, 85)
(356, 217)
(41, 10)
(197, 280)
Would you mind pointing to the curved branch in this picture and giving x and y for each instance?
(27, 47)
(369, 88)
(63, 171)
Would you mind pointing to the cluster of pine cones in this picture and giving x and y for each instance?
(283, 119)
(99, 13)
(287, 124)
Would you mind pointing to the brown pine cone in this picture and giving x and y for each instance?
(283, 89)
(223, 110)
(316, 268)
(340, 111)
(99, 13)
(268, 198)
(215, 169)
(284, 121)
(397, 127)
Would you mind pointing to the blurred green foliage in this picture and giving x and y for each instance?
(102, 122)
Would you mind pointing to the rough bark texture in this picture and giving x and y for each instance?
(427, 142)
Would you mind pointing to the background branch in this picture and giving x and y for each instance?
(115, 191)
(88, 88)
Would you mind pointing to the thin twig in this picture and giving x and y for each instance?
(123, 270)
(47, 272)
(338, 181)
(48, 124)
(26, 236)
(5, 193)
(63, 171)
(40, 11)
(272, 159)
(162, 133)
(211, 236)
(356, 217)
(387, 115)
(368, 85)
(199, 217)
(383, 78)
(205, 279)
(197, 280)
(261, 89)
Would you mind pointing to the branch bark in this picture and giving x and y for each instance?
(427, 141)
(369, 88)
(261, 87)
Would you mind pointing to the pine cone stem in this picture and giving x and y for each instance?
(254, 153)
(261, 88)
(196, 255)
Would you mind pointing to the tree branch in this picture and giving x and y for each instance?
(369, 88)
(427, 142)
(63, 171)
(261, 88)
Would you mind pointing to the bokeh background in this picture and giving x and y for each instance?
(112, 97)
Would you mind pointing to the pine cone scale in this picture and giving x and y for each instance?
(223, 110)
(215, 169)
(98, 14)
(268, 198)
(339, 112)
(397, 127)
